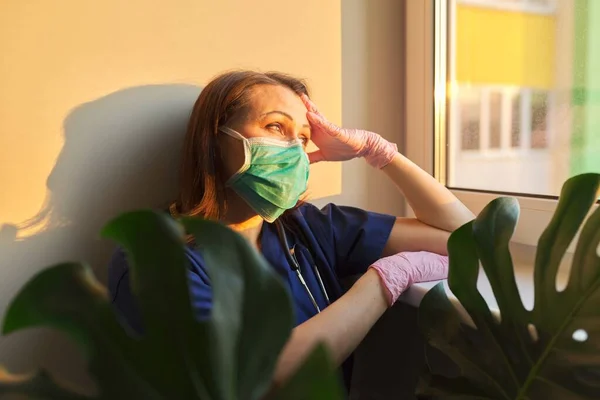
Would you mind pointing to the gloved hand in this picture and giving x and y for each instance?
(400, 271)
(339, 144)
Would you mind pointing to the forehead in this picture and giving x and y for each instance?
(266, 98)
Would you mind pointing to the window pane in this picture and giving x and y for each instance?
(495, 119)
(515, 120)
(524, 112)
(539, 117)
(470, 112)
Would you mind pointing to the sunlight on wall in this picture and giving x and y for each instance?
(57, 58)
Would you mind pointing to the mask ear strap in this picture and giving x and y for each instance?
(232, 132)
(247, 152)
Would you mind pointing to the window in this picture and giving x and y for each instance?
(514, 99)
(539, 120)
(515, 120)
(512, 72)
(469, 120)
(496, 120)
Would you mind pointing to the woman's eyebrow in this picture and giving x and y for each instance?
(288, 116)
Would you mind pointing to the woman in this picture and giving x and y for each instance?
(245, 164)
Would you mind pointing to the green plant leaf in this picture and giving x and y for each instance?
(69, 298)
(230, 356)
(502, 359)
(35, 386)
(252, 310)
(174, 343)
(439, 387)
(316, 379)
(443, 330)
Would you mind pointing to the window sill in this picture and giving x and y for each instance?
(523, 259)
(500, 154)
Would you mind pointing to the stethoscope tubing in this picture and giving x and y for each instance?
(295, 266)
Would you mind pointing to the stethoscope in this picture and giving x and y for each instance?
(295, 266)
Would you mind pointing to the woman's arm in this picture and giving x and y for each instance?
(411, 234)
(341, 326)
(437, 210)
(432, 203)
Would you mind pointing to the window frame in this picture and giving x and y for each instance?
(426, 109)
(520, 6)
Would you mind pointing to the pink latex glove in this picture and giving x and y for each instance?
(400, 271)
(339, 144)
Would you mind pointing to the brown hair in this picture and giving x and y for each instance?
(202, 184)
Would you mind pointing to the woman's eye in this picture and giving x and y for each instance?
(304, 140)
(276, 127)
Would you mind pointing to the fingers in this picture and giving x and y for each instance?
(315, 156)
(314, 118)
(321, 122)
(310, 106)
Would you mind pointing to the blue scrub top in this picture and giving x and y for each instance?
(342, 241)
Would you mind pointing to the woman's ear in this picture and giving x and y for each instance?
(229, 154)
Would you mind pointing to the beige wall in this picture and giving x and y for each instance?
(373, 76)
(95, 94)
(93, 102)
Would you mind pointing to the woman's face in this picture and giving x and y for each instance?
(273, 111)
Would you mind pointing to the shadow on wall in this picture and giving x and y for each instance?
(121, 152)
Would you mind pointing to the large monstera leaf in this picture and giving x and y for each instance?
(550, 352)
(230, 356)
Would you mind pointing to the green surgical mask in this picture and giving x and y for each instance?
(274, 174)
